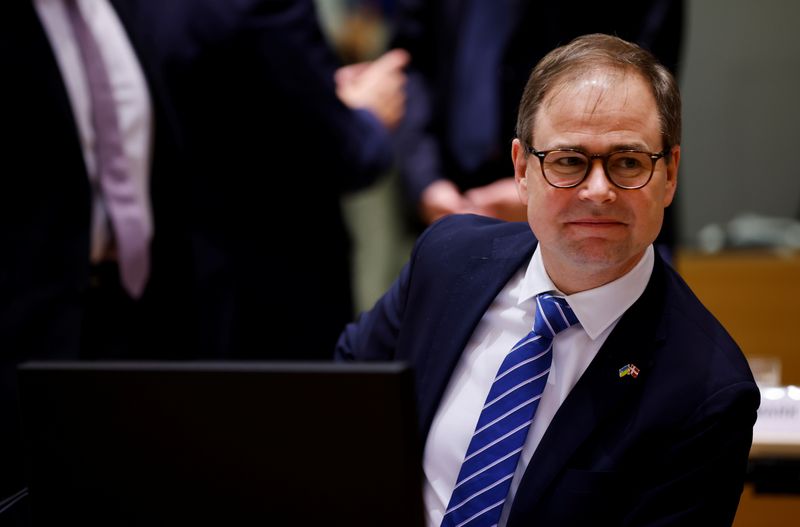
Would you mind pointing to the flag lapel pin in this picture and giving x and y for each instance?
(629, 369)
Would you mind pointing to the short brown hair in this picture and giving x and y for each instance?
(598, 51)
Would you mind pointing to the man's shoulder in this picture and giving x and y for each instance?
(477, 233)
(688, 310)
(692, 328)
(455, 244)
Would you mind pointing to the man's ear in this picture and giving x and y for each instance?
(519, 156)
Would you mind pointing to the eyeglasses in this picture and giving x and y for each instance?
(626, 169)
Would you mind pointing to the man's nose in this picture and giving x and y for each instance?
(596, 187)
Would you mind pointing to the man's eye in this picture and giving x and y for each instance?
(628, 163)
(571, 161)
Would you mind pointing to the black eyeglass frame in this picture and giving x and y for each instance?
(604, 157)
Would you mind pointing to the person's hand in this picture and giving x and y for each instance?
(377, 86)
(441, 198)
(498, 200)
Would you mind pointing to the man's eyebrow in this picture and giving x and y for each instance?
(613, 148)
(630, 146)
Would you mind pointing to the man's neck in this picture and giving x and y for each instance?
(570, 278)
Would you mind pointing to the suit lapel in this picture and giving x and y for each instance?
(598, 393)
(482, 277)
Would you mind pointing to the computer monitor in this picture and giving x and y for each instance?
(224, 444)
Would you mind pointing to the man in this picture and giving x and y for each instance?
(628, 403)
(470, 61)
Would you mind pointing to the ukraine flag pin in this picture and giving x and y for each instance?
(629, 369)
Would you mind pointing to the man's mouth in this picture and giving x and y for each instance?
(597, 222)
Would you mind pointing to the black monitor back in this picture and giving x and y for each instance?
(221, 444)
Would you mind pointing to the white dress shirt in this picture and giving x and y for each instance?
(134, 110)
(508, 319)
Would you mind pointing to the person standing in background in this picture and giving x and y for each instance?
(270, 149)
(232, 204)
(88, 250)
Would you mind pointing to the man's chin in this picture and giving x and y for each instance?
(600, 253)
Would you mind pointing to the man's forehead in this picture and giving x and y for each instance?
(593, 83)
(619, 106)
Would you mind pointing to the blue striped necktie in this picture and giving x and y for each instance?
(491, 460)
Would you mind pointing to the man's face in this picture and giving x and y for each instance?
(594, 233)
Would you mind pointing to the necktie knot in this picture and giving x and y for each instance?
(553, 315)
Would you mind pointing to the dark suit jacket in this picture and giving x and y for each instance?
(668, 447)
(270, 151)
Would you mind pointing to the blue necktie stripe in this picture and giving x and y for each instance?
(567, 315)
(522, 360)
(558, 317)
(494, 446)
(516, 377)
(546, 327)
(503, 464)
(510, 399)
(493, 453)
(504, 425)
(510, 413)
(486, 510)
(484, 486)
(524, 392)
(492, 497)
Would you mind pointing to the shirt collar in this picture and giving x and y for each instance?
(596, 308)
